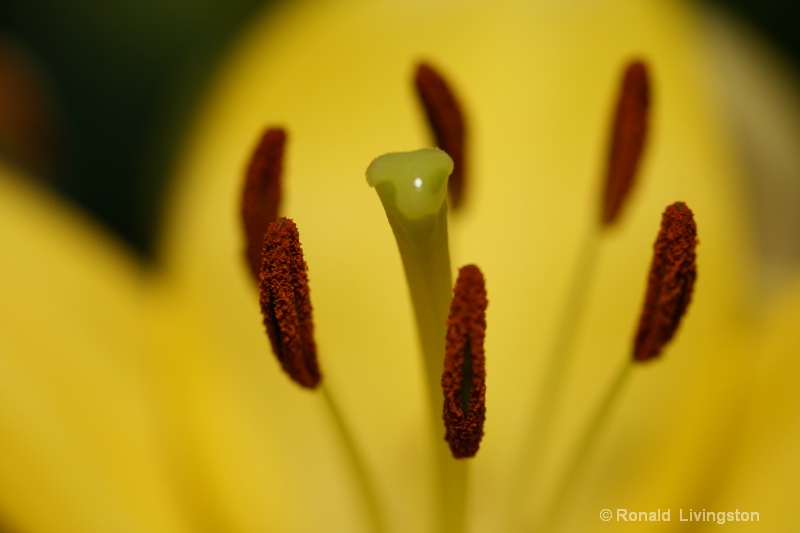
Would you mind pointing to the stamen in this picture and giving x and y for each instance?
(262, 194)
(286, 305)
(464, 376)
(670, 283)
(447, 123)
(628, 138)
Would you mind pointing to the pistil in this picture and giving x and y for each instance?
(412, 187)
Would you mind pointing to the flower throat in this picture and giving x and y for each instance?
(416, 189)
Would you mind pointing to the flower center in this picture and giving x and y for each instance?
(415, 189)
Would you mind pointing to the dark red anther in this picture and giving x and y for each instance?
(286, 304)
(262, 194)
(447, 123)
(464, 376)
(627, 139)
(670, 283)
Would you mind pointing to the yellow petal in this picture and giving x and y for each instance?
(80, 432)
(765, 471)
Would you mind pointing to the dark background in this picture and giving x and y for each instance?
(125, 74)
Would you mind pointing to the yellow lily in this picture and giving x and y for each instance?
(167, 412)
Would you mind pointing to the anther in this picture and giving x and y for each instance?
(627, 138)
(447, 124)
(286, 304)
(262, 194)
(464, 376)
(670, 283)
